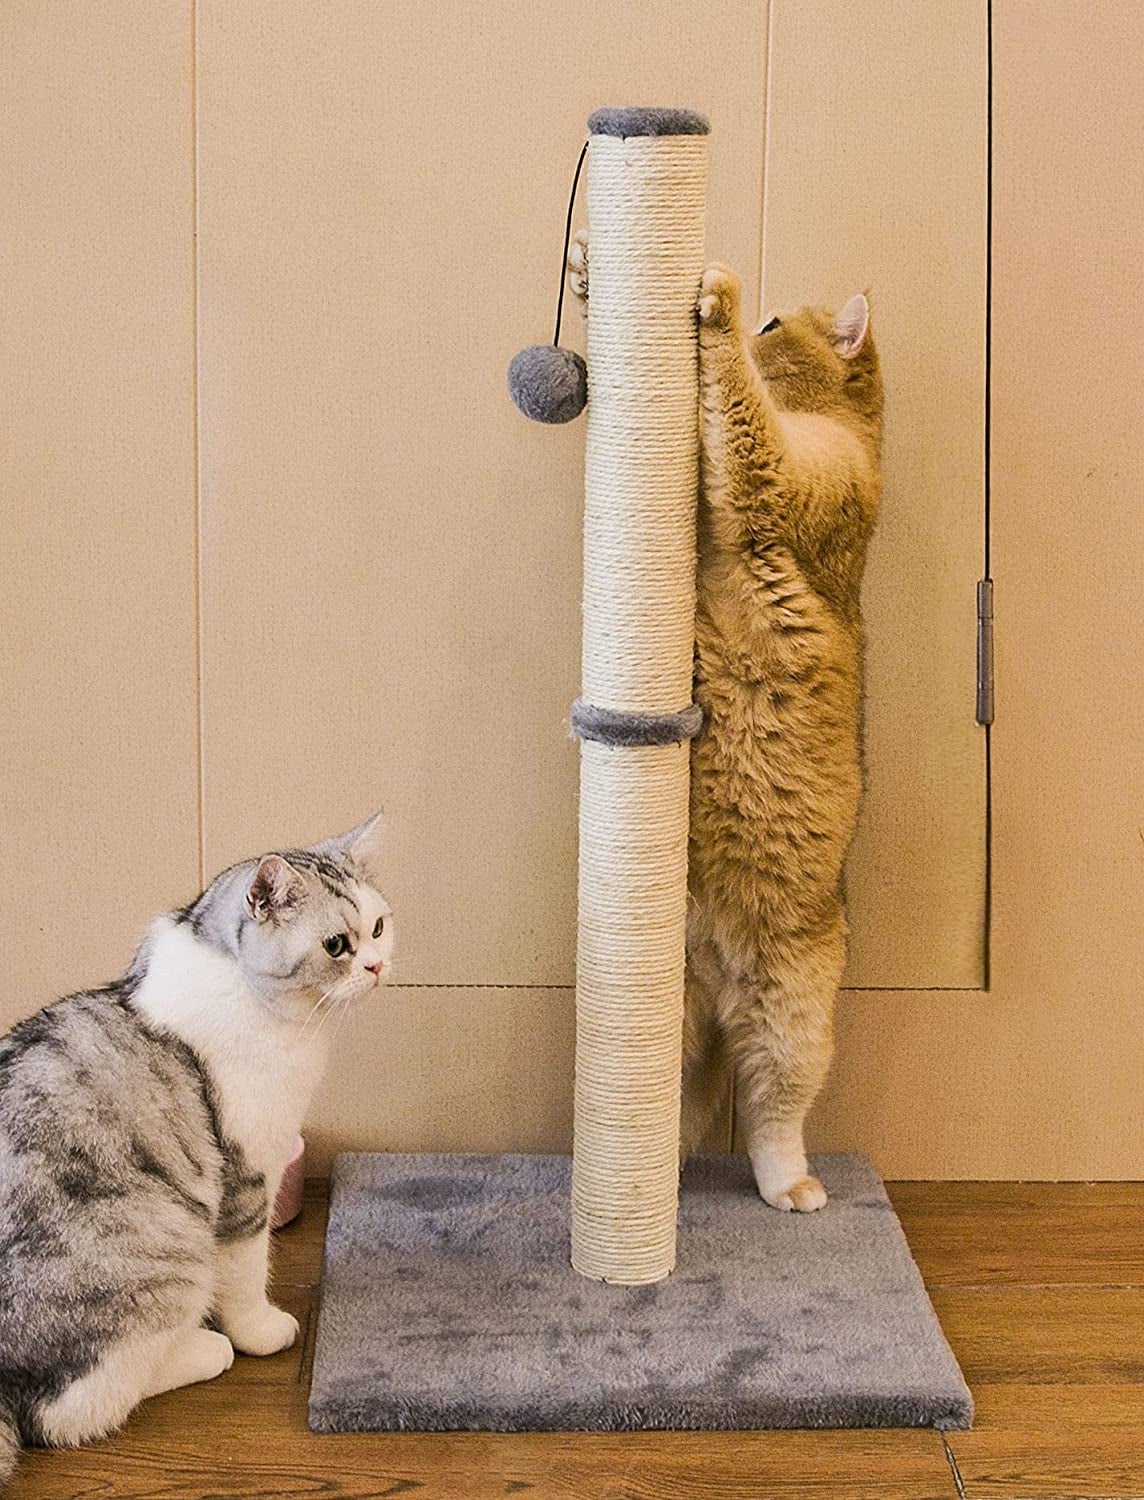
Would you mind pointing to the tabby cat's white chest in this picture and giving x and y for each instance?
(263, 1067)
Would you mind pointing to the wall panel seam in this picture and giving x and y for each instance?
(987, 914)
(760, 287)
(855, 989)
(200, 811)
(768, 42)
(568, 989)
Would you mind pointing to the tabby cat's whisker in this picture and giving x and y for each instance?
(326, 1014)
(314, 1011)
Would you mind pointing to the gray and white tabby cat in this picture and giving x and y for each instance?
(144, 1128)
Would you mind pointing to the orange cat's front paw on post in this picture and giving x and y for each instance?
(719, 296)
(578, 265)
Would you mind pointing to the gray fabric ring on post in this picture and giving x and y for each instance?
(615, 726)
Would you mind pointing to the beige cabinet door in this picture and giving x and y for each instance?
(877, 178)
(391, 553)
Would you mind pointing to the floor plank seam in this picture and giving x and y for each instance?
(1034, 1286)
(309, 1334)
(959, 1483)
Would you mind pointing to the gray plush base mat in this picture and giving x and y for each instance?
(448, 1303)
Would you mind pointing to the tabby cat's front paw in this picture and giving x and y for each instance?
(578, 265)
(209, 1354)
(719, 296)
(263, 1330)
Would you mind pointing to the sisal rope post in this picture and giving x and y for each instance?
(646, 203)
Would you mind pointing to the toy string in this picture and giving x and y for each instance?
(567, 239)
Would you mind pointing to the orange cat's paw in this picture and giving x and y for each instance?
(578, 265)
(802, 1197)
(718, 305)
(783, 1181)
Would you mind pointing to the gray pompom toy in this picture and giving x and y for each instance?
(548, 383)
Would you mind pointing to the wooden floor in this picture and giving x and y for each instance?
(1040, 1289)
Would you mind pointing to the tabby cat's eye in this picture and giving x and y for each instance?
(379, 927)
(770, 327)
(337, 946)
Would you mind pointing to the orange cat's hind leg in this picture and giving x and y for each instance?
(779, 1034)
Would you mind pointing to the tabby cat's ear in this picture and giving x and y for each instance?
(850, 326)
(275, 889)
(361, 846)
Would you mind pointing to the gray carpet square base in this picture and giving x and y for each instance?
(448, 1303)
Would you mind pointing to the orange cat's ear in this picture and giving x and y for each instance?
(850, 326)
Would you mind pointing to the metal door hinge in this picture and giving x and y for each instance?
(985, 651)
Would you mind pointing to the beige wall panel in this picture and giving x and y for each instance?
(98, 808)
(876, 179)
(319, 231)
(391, 553)
(1044, 1076)
(459, 1069)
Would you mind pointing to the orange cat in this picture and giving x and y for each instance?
(791, 428)
(791, 424)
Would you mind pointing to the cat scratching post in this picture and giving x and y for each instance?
(426, 1251)
(647, 172)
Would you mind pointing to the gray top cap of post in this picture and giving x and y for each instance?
(634, 120)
